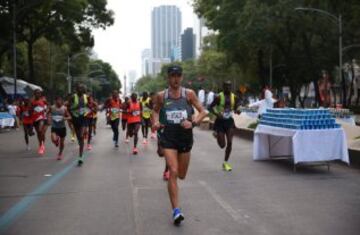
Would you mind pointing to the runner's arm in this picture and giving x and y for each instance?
(157, 104)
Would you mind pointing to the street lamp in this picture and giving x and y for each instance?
(337, 20)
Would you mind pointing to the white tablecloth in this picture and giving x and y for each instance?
(7, 122)
(303, 145)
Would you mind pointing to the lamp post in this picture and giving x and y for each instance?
(337, 20)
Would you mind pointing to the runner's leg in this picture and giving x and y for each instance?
(221, 139)
(171, 157)
(229, 138)
(183, 161)
(26, 135)
(136, 130)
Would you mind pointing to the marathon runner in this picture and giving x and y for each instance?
(134, 119)
(27, 120)
(69, 121)
(90, 120)
(39, 116)
(57, 116)
(223, 107)
(78, 106)
(94, 116)
(176, 137)
(124, 119)
(145, 102)
(152, 97)
(113, 107)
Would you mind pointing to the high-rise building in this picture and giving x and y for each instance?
(165, 32)
(146, 62)
(132, 77)
(188, 45)
(201, 31)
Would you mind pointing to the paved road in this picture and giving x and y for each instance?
(117, 193)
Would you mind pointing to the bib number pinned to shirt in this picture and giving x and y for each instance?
(176, 117)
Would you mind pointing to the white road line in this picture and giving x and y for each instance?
(135, 201)
(226, 206)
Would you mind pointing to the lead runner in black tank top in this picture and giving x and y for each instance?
(176, 138)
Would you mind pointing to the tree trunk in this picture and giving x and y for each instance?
(30, 55)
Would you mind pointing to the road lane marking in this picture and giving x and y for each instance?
(226, 206)
(20, 208)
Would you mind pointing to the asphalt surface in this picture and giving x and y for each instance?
(115, 192)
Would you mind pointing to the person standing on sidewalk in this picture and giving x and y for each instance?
(114, 108)
(57, 116)
(176, 139)
(78, 107)
(223, 107)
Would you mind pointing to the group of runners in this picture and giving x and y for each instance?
(169, 115)
(79, 111)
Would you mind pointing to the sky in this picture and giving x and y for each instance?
(122, 43)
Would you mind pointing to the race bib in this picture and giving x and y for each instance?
(176, 117)
(115, 110)
(227, 114)
(57, 118)
(83, 110)
(136, 113)
(38, 109)
(26, 114)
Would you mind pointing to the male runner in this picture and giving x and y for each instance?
(124, 119)
(90, 120)
(223, 107)
(176, 136)
(39, 116)
(114, 107)
(146, 115)
(57, 116)
(27, 120)
(78, 106)
(134, 119)
(152, 98)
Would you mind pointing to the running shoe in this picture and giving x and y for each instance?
(89, 147)
(116, 144)
(80, 161)
(227, 166)
(177, 216)
(127, 140)
(153, 136)
(166, 175)
(28, 147)
(41, 150)
(135, 151)
(145, 141)
(59, 157)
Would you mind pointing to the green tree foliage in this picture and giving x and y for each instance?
(250, 32)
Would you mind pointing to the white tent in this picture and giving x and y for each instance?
(23, 88)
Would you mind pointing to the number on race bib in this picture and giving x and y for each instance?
(176, 117)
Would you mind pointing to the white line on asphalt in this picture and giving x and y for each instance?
(226, 206)
(135, 200)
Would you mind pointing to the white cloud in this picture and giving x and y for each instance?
(121, 44)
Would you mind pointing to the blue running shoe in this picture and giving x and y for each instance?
(177, 216)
